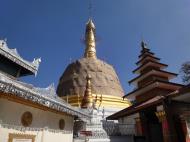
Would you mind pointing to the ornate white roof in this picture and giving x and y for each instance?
(13, 55)
(43, 96)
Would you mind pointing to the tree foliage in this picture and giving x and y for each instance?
(185, 72)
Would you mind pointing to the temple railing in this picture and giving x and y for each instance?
(127, 129)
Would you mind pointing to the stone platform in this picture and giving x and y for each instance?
(93, 130)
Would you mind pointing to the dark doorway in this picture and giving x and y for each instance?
(154, 127)
(155, 132)
(179, 129)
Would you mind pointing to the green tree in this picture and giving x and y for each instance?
(185, 72)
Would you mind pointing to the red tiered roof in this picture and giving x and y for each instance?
(152, 79)
(150, 63)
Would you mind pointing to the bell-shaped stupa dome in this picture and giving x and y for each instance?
(106, 87)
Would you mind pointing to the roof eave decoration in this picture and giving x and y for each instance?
(13, 55)
(161, 65)
(147, 57)
(153, 85)
(153, 72)
(42, 96)
(136, 107)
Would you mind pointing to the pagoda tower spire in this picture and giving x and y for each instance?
(143, 45)
(90, 40)
(87, 100)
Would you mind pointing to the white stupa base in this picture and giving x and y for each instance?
(95, 128)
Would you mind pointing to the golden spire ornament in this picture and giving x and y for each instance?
(90, 40)
(87, 101)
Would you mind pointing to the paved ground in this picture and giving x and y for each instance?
(121, 139)
(114, 139)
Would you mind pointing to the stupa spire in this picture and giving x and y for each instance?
(87, 100)
(90, 40)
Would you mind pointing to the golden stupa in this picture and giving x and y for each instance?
(106, 87)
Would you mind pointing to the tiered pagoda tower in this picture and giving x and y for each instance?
(152, 80)
(153, 112)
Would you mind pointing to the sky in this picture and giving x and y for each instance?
(53, 30)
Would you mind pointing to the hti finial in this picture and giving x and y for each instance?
(143, 45)
(90, 40)
(90, 37)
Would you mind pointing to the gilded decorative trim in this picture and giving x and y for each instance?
(13, 136)
(161, 115)
(101, 100)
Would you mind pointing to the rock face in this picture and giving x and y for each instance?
(104, 78)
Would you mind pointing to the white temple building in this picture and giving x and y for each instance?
(28, 113)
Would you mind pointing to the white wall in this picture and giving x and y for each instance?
(11, 112)
(108, 111)
(127, 124)
(129, 119)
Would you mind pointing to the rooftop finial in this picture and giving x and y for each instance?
(90, 40)
(143, 45)
(87, 100)
(3, 42)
